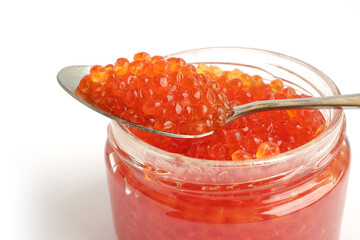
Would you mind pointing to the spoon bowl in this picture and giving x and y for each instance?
(69, 79)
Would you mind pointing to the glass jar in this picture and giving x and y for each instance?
(296, 195)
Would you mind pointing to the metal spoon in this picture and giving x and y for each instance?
(69, 78)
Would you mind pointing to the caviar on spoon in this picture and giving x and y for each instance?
(173, 98)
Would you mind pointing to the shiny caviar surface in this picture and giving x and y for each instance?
(171, 95)
(167, 95)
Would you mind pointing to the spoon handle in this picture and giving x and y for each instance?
(348, 101)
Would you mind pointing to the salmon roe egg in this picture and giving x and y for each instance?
(121, 66)
(276, 85)
(240, 155)
(267, 149)
(142, 56)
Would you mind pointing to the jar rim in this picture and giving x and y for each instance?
(333, 124)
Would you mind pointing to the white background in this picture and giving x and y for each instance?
(52, 173)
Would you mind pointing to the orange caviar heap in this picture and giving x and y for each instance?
(170, 95)
(167, 95)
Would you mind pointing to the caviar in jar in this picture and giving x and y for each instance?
(279, 175)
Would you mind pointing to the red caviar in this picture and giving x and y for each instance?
(259, 135)
(171, 95)
(158, 93)
(181, 199)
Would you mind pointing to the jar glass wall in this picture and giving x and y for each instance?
(296, 195)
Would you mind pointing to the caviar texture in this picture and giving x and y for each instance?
(167, 95)
(259, 135)
(171, 95)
